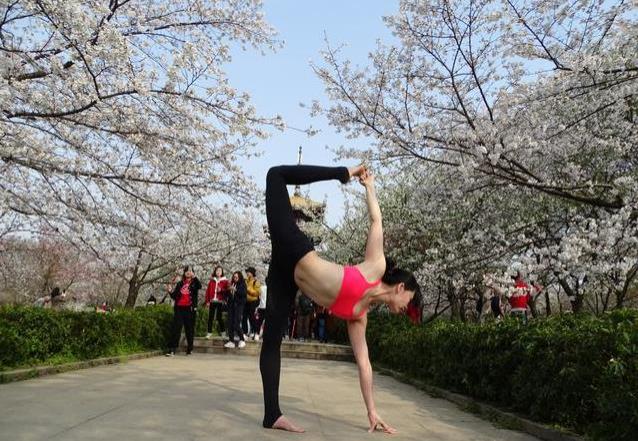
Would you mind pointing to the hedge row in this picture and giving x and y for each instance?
(34, 336)
(579, 372)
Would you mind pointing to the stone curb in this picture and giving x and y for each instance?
(39, 371)
(506, 419)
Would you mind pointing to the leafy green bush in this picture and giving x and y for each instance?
(32, 336)
(580, 372)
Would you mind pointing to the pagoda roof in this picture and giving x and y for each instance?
(299, 202)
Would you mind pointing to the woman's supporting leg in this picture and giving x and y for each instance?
(281, 295)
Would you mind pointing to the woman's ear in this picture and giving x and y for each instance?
(399, 288)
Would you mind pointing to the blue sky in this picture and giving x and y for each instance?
(278, 82)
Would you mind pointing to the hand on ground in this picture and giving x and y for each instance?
(376, 423)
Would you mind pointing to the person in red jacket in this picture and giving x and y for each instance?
(185, 309)
(519, 298)
(216, 295)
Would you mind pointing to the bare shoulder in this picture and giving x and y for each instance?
(372, 269)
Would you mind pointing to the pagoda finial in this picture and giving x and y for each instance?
(298, 188)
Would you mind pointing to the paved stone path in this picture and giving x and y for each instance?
(218, 397)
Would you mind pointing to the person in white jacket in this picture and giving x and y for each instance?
(261, 311)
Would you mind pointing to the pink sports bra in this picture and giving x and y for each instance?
(353, 286)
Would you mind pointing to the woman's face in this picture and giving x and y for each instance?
(399, 299)
(235, 277)
(218, 271)
(189, 274)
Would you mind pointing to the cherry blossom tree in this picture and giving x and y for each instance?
(153, 244)
(509, 129)
(511, 91)
(121, 263)
(31, 269)
(108, 102)
(122, 134)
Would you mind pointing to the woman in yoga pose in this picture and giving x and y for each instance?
(345, 290)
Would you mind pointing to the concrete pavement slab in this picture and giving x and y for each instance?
(218, 397)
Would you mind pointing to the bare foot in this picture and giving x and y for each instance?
(284, 423)
(356, 171)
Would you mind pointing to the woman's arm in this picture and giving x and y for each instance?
(374, 245)
(357, 334)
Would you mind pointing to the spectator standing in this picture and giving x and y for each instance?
(519, 298)
(322, 321)
(57, 298)
(495, 305)
(261, 312)
(185, 296)
(216, 295)
(305, 308)
(290, 330)
(236, 303)
(253, 289)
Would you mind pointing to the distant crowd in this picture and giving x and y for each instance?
(237, 309)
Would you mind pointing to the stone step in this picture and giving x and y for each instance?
(289, 349)
(327, 348)
(254, 351)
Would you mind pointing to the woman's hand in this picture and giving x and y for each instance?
(376, 423)
(366, 179)
(356, 171)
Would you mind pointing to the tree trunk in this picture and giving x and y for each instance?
(133, 290)
(548, 306)
(575, 297)
(452, 298)
(606, 300)
(620, 298)
(134, 283)
(577, 303)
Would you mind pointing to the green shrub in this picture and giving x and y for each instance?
(31, 336)
(579, 372)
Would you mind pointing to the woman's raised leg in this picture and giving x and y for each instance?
(278, 209)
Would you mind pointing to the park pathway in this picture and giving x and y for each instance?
(218, 397)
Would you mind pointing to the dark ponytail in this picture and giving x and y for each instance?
(394, 275)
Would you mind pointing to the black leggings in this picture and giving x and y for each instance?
(289, 245)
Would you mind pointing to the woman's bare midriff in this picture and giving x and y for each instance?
(318, 279)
